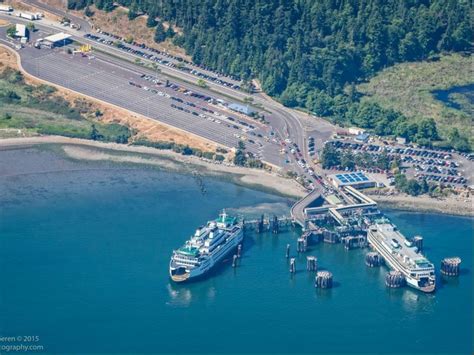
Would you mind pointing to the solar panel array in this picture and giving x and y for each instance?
(352, 178)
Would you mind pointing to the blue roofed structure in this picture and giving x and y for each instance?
(356, 179)
(363, 137)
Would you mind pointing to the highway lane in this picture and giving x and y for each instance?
(85, 26)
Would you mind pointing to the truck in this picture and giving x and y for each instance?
(6, 8)
(28, 16)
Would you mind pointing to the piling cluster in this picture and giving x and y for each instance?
(260, 225)
(292, 265)
(274, 226)
(323, 279)
(373, 259)
(311, 263)
(330, 237)
(395, 279)
(352, 242)
(450, 266)
(301, 245)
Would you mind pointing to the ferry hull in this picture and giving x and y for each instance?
(197, 273)
(411, 282)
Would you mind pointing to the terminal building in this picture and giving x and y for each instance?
(246, 110)
(357, 180)
(57, 40)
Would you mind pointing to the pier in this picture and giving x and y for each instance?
(273, 224)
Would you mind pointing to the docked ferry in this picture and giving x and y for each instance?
(206, 248)
(400, 254)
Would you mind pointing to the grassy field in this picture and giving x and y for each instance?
(27, 110)
(408, 88)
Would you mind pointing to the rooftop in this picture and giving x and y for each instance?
(57, 37)
(351, 178)
(241, 108)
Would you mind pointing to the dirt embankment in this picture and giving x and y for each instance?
(141, 126)
(117, 22)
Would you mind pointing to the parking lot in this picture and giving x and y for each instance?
(164, 58)
(432, 165)
(152, 96)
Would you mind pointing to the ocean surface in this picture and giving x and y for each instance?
(84, 252)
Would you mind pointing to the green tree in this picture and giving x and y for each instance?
(160, 35)
(202, 83)
(330, 157)
(151, 21)
(11, 31)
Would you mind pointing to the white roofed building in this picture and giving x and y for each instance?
(56, 40)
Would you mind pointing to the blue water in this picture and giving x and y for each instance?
(446, 98)
(84, 251)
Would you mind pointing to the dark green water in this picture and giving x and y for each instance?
(84, 262)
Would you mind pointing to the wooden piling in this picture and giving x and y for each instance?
(323, 279)
(292, 265)
(311, 263)
(373, 259)
(450, 266)
(395, 279)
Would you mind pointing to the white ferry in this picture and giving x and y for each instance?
(206, 248)
(401, 255)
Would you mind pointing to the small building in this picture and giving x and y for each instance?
(363, 137)
(246, 110)
(57, 40)
(21, 30)
(357, 180)
(401, 140)
(356, 131)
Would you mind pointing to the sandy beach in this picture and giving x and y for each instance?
(454, 205)
(81, 149)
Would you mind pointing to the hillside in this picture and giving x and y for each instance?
(408, 88)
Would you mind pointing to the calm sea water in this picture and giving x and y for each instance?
(84, 265)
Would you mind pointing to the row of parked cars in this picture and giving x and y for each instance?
(425, 153)
(450, 180)
(180, 65)
(196, 95)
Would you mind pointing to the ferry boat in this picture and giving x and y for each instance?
(400, 254)
(206, 248)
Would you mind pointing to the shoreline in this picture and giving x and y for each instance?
(87, 150)
(449, 206)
